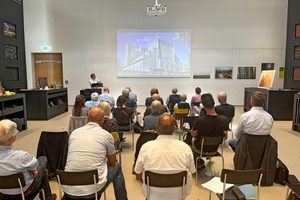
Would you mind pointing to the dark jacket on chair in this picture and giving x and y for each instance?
(257, 151)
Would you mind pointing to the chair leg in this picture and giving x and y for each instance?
(197, 170)
(104, 195)
(132, 148)
(120, 158)
(222, 162)
(287, 193)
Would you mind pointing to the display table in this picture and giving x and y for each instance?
(279, 102)
(87, 93)
(45, 104)
(14, 108)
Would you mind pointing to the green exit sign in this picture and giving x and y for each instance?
(46, 48)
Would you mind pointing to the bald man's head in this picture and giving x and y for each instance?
(155, 96)
(165, 124)
(222, 97)
(174, 90)
(96, 115)
(183, 97)
(106, 89)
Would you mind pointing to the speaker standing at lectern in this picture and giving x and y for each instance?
(94, 79)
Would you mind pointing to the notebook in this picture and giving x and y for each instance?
(248, 190)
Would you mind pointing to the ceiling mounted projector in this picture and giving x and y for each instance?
(156, 9)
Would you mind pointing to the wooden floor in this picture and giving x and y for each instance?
(288, 151)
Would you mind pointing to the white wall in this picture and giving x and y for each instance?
(84, 31)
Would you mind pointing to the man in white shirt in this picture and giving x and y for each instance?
(94, 79)
(91, 147)
(165, 155)
(254, 122)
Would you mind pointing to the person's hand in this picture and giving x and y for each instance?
(98, 81)
(33, 173)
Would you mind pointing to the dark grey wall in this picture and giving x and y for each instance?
(11, 11)
(291, 42)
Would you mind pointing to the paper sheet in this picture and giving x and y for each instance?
(215, 185)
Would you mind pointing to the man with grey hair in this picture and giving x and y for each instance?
(129, 102)
(224, 108)
(93, 102)
(182, 104)
(92, 147)
(165, 155)
(151, 120)
(105, 96)
(173, 99)
(132, 95)
(13, 161)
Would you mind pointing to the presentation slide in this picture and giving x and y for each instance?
(154, 53)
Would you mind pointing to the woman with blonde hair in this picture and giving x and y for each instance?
(110, 124)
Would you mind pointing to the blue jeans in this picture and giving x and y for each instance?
(233, 143)
(115, 175)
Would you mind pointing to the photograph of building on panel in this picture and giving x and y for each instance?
(297, 30)
(267, 66)
(266, 78)
(9, 29)
(11, 52)
(246, 73)
(154, 54)
(223, 73)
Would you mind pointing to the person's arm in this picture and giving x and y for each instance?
(111, 159)
(139, 177)
(33, 173)
(194, 133)
(225, 135)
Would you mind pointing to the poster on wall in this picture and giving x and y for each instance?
(281, 72)
(267, 66)
(246, 73)
(266, 78)
(11, 52)
(223, 73)
(297, 30)
(9, 29)
(202, 73)
(297, 52)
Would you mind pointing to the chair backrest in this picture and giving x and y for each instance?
(54, 145)
(189, 119)
(76, 122)
(115, 136)
(77, 178)
(241, 177)
(179, 112)
(210, 144)
(11, 181)
(166, 180)
(123, 120)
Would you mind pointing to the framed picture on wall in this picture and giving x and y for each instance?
(11, 52)
(223, 72)
(266, 78)
(297, 52)
(296, 74)
(246, 73)
(267, 66)
(12, 73)
(297, 31)
(9, 30)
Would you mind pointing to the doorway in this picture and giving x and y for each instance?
(48, 65)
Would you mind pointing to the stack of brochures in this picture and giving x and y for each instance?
(249, 191)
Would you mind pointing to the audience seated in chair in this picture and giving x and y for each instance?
(132, 95)
(109, 124)
(210, 125)
(148, 109)
(92, 147)
(150, 99)
(165, 155)
(196, 101)
(151, 120)
(254, 122)
(93, 102)
(255, 152)
(182, 104)
(105, 96)
(224, 108)
(13, 161)
(172, 100)
(129, 102)
(79, 108)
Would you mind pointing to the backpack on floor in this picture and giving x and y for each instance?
(282, 173)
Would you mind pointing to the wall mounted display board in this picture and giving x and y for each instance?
(223, 72)
(45, 104)
(292, 61)
(279, 102)
(12, 47)
(14, 108)
(297, 34)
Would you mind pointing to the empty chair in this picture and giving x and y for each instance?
(53, 145)
(76, 122)
(77, 179)
(165, 181)
(209, 149)
(118, 146)
(239, 177)
(125, 125)
(17, 181)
